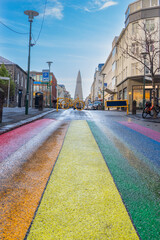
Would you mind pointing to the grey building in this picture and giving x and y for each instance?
(19, 76)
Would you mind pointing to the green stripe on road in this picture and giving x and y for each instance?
(142, 204)
(81, 200)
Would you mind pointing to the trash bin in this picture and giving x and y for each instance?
(39, 100)
(1, 103)
(134, 103)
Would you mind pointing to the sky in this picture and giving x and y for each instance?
(75, 35)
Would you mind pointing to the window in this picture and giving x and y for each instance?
(150, 25)
(22, 82)
(113, 82)
(154, 3)
(114, 66)
(145, 3)
(114, 52)
(134, 28)
(134, 69)
(135, 48)
(127, 13)
(18, 78)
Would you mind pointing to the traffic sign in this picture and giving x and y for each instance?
(148, 78)
(45, 75)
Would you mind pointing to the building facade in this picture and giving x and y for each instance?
(40, 86)
(19, 76)
(62, 92)
(96, 88)
(125, 72)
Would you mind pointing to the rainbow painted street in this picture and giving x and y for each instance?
(99, 182)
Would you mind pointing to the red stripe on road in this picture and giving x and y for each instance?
(13, 140)
(143, 130)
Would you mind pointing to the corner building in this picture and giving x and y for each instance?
(125, 75)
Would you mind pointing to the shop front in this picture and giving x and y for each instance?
(137, 94)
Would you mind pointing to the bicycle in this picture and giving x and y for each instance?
(149, 109)
(76, 104)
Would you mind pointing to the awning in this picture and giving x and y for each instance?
(109, 91)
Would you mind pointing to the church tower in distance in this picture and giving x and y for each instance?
(78, 91)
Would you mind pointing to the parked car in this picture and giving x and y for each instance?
(97, 105)
(90, 106)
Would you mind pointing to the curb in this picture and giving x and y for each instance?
(10, 127)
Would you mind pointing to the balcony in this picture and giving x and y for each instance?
(141, 4)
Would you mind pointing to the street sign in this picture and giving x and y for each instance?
(148, 78)
(45, 75)
(105, 84)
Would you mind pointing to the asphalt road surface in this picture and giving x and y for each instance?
(81, 175)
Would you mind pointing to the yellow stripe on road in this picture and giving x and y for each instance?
(81, 200)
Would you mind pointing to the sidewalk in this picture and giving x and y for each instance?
(15, 117)
(138, 116)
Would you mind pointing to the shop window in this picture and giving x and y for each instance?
(138, 96)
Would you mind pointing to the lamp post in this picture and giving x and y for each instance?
(31, 14)
(49, 65)
(144, 54)
(103, 74)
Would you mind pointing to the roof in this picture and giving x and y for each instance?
(5, 61)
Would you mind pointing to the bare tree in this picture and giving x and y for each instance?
(144, 47)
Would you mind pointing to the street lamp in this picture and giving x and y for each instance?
(49, 65)
(31, 14)
(144, 55)
(103, 74)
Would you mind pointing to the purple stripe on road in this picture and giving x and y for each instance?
(145, 131)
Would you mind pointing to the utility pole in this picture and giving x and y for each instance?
(144, 54)
(50, 93)
(103, 74)
(31, 14)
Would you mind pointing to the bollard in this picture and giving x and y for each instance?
(134, 103)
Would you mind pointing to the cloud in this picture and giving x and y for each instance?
(55, 12)
(54, 9)
(98, 5)
(108, 4)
